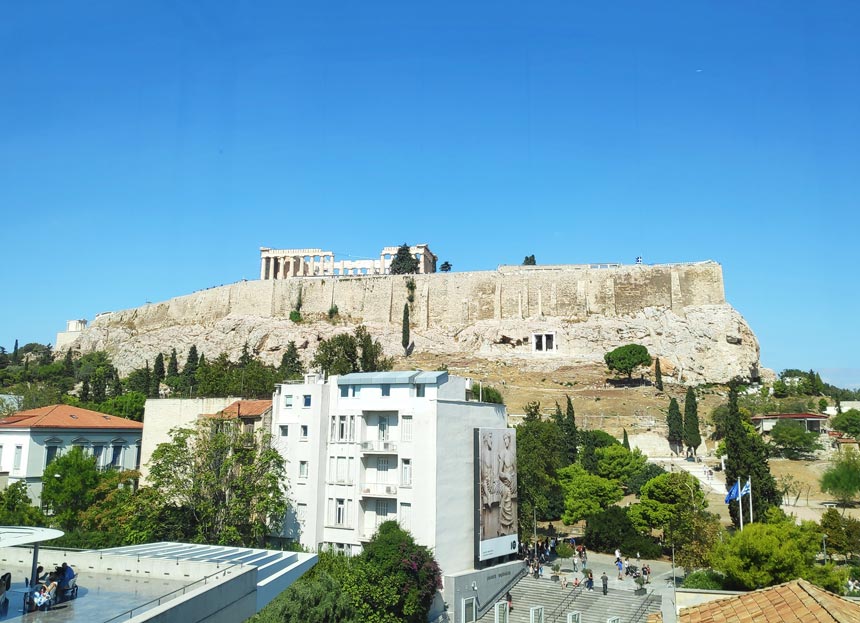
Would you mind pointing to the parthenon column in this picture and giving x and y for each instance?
(262, 268)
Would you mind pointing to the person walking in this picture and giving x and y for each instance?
(605, 579)
(510, 600)
(590, 582)
(620, 566)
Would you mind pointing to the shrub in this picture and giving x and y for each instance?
(612, 528)
(332, 312)
(708, 580)
(296, 316)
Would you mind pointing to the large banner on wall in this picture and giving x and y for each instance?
(495, 492)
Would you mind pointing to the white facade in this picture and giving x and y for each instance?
(25, 452)
(365, 448)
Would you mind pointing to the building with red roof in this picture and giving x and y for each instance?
(31, 439)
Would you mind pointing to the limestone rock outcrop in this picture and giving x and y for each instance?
(678, 312)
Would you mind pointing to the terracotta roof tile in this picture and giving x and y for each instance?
(244, 408)
(65, 416)
(791, 602)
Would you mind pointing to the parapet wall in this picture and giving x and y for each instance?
(446, 299)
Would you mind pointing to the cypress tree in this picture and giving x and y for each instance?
(85, 391)
(15, 353)
(566, 423)
(172, 364)
(116, 385)
(68, 364)
(158, 368)
(191, 362)
(658, 375)
(676, 426)
(404, 337)
(625, 442)
(746, 456)
(692, 437)
(291, 366)
(588, 457)
(99, 385)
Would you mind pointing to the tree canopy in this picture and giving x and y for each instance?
(586, 494)
(345, 353)
(692, 437)
(842, 478)
(791, 440)
(675, 424)
(625, 359)
(403, 263)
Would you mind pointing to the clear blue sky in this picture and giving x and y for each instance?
(149, 149)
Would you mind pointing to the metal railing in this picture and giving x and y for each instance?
(379, 446)
(482, 610)
(637, 616)
(152, 603)
(565, 604)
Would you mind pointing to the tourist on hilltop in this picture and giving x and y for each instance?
(605, 580)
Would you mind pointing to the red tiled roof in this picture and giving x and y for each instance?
(243, 408)
(791, 602)
(65, 416)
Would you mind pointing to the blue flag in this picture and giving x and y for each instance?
(733, 493)
(746, 488)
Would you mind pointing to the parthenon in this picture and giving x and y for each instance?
(289, 263)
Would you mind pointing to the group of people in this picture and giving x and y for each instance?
(47, 583)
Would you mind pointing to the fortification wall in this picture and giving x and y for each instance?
(677, 311)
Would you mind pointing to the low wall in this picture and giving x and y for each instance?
(489, 586)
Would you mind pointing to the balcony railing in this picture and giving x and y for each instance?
(378, 489)
(388, 447)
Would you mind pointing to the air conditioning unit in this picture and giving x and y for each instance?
(391, 490)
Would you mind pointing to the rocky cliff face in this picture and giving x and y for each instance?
(698, 341)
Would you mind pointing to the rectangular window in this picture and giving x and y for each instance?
(17, 464)
(303, 469)
(352, 428)
(419, 390)
(116, 456)
(386, 389)
(137, 456)
(344, 391)
(470, 610)
(1, 458)
(98, 453)
(354, 390)
(332, 432)
(406, 473)
(288, 401)
(340, 512)
(381, 469)
(406, 516)
(304, 430)
(306, 401)
(341, 428)
(285, 430)
(50, 454)
(350, 469)
(301, 512)
(341, 469)
(406, 431)
(383, 428)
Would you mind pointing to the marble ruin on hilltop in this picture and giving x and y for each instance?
(289, 263)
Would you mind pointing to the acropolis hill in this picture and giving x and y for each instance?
(540, 317)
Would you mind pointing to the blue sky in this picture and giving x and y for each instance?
(149, 149)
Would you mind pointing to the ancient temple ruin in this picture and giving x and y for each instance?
(289, 263)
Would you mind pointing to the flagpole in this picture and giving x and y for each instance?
(749, 486)
(741, 509)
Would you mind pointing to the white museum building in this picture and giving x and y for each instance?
(31, 439)
(364, 448)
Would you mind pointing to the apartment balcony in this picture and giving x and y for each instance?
(379, 447)
(378, 490)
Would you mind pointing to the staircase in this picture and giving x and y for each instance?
(594, 606)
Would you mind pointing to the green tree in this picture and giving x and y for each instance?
(635, 483)
(667, 499)
(291, 365)
(529, 260)
(585, 494)
(404, 337)
(99, 385)
(747, 457)
(487, 393)
(610, 529)
(694, 544)
(588, 456)
(625, 359)
(16, 508)
(625, 441)
(791, 440)
(139, 380)
(676, 426)
(158, 367)
(658, 375)
(531, 411)
(319, 598)
(189, 370)
(567, 425)
(345, 353)
(692, 437)
(68, 483)
(172, 364)
(68, 363)
(403, 263)
(16, 357)
(842, 478)
(847, 422)
(229, 483)
(84, 394)
(617, 463)
(540, 454)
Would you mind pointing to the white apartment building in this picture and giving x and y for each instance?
(369, 447)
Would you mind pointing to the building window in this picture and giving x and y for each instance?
(406, 516)
(383, 428)
(98, 455)
(332, 433)
(1, 458)
(137, 457)
(303, 469)
(344, 391)
(406, 473)
(288, 401)
(304, 431)
(285, 430)
(301, 512)
(406, 430)
(381, 469)
(116, 456)
(419, 390)
(354, 390)
(543, 341)
(352, 428)
(340, 512)
(50, 454)
(386, 390)
(341, 469)
(341, 428)
(18, 452)
(306, 401)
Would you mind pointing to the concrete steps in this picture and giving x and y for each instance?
(594, 606)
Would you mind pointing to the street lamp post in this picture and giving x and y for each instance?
(824, 548)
